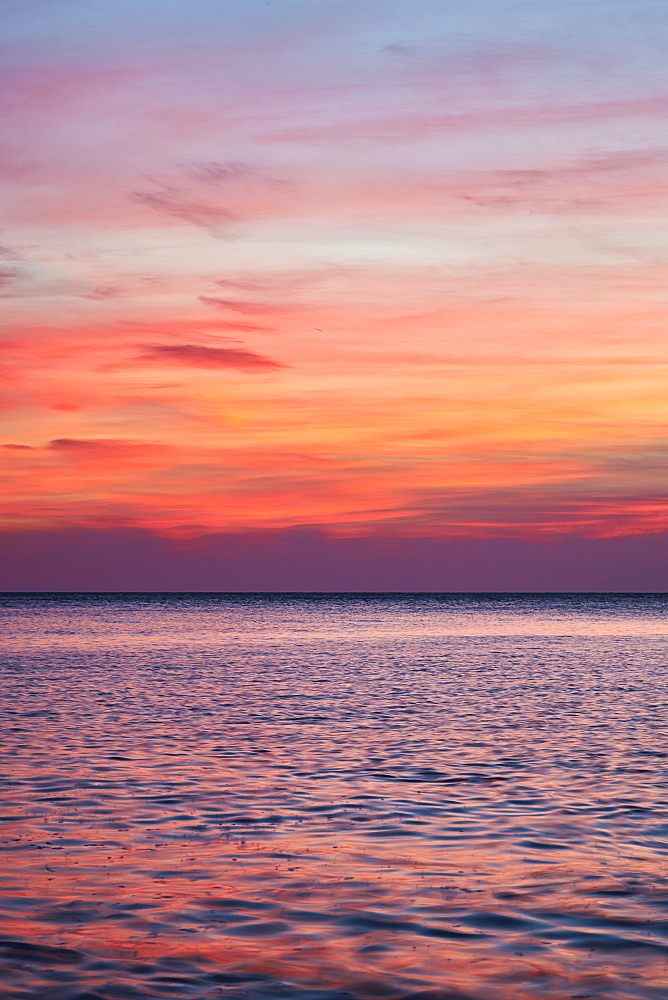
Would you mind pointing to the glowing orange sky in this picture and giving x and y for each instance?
(396, 270)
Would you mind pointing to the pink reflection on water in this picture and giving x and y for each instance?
(480, 817)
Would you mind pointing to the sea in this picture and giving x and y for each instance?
(334, 796)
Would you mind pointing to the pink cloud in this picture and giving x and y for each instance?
(413, 125)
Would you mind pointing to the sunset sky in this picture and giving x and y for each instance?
(360, 268)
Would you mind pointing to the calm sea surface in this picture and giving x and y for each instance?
(334, 796)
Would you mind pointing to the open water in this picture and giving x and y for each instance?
(334, 796)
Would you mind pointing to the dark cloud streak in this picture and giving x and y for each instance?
(216, 173)
(241, 306)
(205, 215)
(305, 559)
(208, 357)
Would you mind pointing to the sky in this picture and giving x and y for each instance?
(366, 272)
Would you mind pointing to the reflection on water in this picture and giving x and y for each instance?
(329, 797)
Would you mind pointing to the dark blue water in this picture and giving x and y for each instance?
(322, 796)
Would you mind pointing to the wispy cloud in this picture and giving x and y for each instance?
(7, 276)
(102, 292)
(219, 173)
(216, 219)
(208, 357)
(95, 445)
(406, 126)
(247, 307)
(8, 253)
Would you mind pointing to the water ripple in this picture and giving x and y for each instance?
(334, 798)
